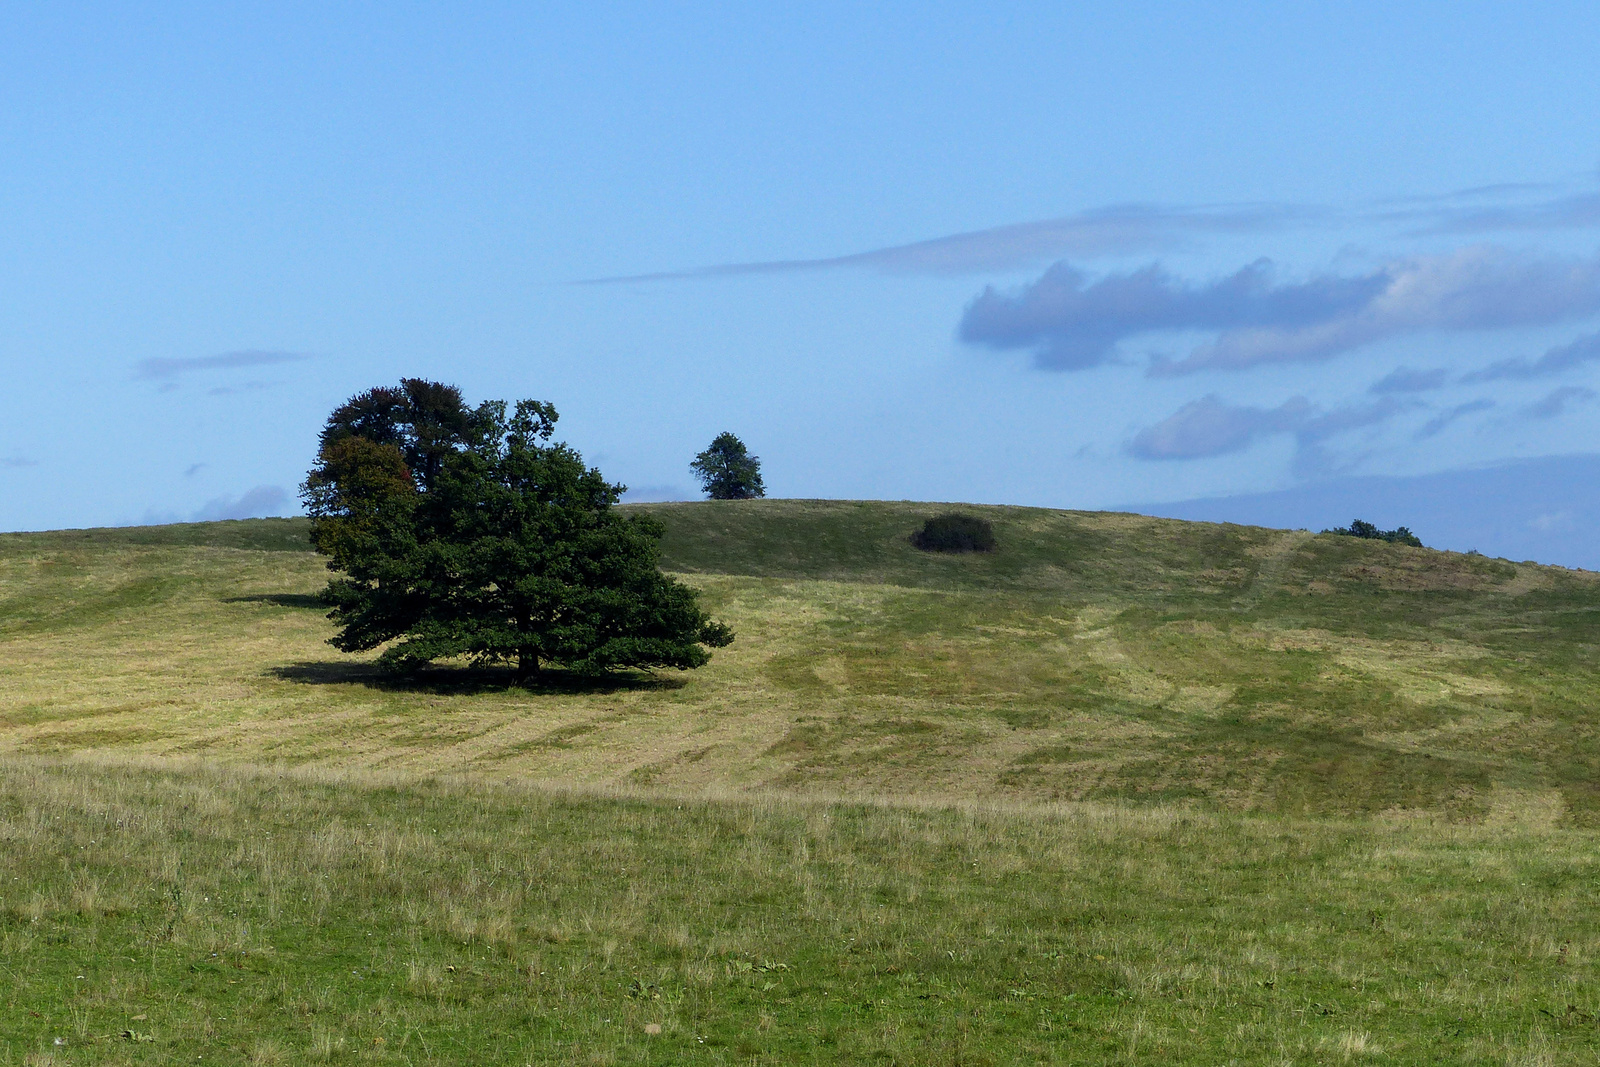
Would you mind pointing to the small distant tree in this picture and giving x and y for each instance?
(727, 470)
(954, 532)
(466, 532)
(1361, 528)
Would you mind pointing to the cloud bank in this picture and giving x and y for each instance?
(1071, 323)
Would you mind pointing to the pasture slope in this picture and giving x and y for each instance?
(1127, 790)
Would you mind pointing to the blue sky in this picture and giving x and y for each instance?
(1066, 255)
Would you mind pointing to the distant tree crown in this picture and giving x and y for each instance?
(1361, 528)
(424, 420)
(727, 470)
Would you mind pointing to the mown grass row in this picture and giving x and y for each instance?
(153, 915)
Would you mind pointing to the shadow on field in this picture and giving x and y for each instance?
(282, 600)
(462, 681)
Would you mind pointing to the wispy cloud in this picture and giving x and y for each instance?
(165, 369)
(1561, 358)
(1436, 425)
(1572, 211)
(1119, 230)
(1556, 402)
(1132, 229)
(242, 387)
(1551, 521)
(261, 501)
(1211, 427)
(17, 462)
(1071, 323)
(1406, 380)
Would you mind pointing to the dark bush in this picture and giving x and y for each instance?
(1362, 528)
(955, 533)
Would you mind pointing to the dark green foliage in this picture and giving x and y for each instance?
(509, 550)
(727, 470)
(954, 532)
(1362, 528)
(423, 420)
(356, 487)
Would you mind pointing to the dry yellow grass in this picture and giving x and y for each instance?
(1106, 656)
(217, 674)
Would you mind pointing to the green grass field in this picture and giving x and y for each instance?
(1126, 790)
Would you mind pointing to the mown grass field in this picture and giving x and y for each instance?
(1126, 790)
(1094, 656)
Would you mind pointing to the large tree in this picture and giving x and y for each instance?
(727, 470)
(466, 532)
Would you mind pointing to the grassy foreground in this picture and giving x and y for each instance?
(154, 915)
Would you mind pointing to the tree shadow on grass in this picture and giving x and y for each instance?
(462, 681)
(282, 600)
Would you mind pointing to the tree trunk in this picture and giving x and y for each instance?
(527, 665)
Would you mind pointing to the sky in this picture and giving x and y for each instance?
(1084, 256)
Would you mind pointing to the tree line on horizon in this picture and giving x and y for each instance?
(1363, 529)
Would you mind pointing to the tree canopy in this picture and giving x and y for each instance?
(466, 532)
(727, 470)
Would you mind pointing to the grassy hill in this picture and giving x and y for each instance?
(1093, 656)
(1125, 791)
